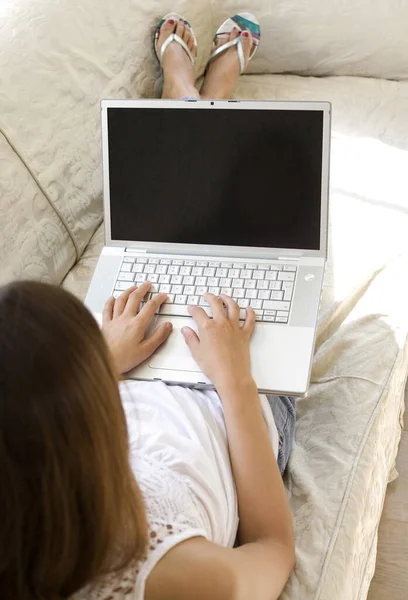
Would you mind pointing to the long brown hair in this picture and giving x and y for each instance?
(70, 508)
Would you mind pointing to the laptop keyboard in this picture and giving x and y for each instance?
(267, 287)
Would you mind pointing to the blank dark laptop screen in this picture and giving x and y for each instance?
(234, 177)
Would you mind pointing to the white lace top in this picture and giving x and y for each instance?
(179, 455)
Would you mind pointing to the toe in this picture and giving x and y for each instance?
(234, 33)
(246, 43)
(180, 28)
(166, 29)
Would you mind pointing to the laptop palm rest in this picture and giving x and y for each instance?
(174, 354)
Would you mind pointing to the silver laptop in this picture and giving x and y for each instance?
(222, 196)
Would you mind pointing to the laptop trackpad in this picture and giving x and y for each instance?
(174, 354)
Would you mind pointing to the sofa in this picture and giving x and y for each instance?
(58, 60)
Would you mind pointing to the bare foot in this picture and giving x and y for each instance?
(223, 71)
(178, 72)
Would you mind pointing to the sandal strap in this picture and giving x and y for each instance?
(173, 37)
(235, 42)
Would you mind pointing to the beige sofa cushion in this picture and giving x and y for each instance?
(34, 243)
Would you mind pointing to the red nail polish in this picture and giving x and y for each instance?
(245, 34)
(171, 21)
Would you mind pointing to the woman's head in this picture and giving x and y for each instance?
(70, 507)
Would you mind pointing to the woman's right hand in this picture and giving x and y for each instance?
(222, 348)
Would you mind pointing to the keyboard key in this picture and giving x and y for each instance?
(282, 313)
(176, 279)
(164, 278)
(188, 280)
(214, 264)
(194, 299)
(227, 291)
(164, 288)
(202, 263)
(245, 274)
(126, 267)
(123, 285)
(128, 259)
(250, 284)
(209, 272)
(287, 268)
(173, 270)
(137, 268)
(258, 314)
(263, 267)
(259, 274)
(185, 270)
(140, 277)
(116, 293)
(189, 290)
(269, 318)
(275, 305)
(262, 284)
(264, 294)
(142, 261)
(154, 261)
(176, 289)
(201, 281)
(154, 278)
(149, 269)
(161, 269)
(169, 299)
(237, 283)
(250, 265)
(203, 301)
(251, 294)
(276, 267)
(226, 265)
(189, 263)
(225, 282)
(233, 273)
(270, 313)
(180, 299)
(238, 266)
(180, 310)
(271, 275)
(165, 261)
(283, 276)
(214, 290)
(255, 303)
(281, 320)
(221, 272)
(287, 287)
(275, 285)
(238, 293)
(276, 295)
(201, 289)
(242, 314)
(213, 281)
(154, 288)
(197, 271)
(126, 276)
(177, 262)
(243, 302)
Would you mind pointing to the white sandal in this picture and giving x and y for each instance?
(242, 22)
(173, 37)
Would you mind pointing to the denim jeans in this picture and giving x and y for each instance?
(284, 412)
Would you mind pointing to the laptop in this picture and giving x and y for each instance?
(222, 196)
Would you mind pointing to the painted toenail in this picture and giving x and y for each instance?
(171, 21)
(245, 34)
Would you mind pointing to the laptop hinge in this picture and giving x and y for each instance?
(292, 258)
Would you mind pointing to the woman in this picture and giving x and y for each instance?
(135, 492)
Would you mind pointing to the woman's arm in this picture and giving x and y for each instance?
(260, 567)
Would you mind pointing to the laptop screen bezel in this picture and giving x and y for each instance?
(206, 249)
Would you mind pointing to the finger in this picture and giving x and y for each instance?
(120, 302)
(216, 305)
(135, 298)
(232, 307)
(191, 340)
(108, 310)
(155, 340)
(150, 308)
(199, 315)
(249, 322)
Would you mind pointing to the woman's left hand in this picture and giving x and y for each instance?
(125, 327)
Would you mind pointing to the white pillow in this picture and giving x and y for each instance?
(368, 38)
